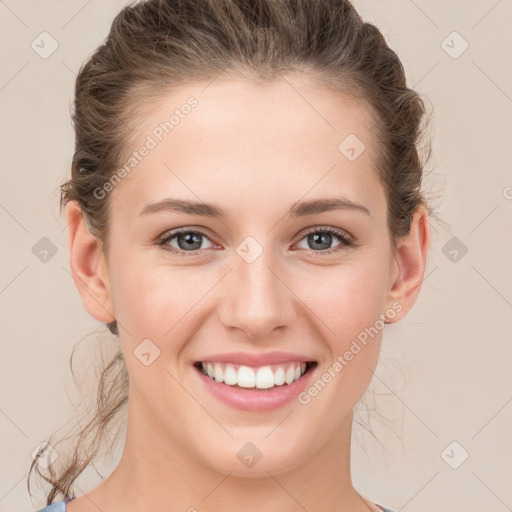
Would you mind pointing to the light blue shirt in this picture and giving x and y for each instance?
(60, 506)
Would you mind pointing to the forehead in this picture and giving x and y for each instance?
(234, 138)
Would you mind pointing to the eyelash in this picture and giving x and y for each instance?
(346, 241)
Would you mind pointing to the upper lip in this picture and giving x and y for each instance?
(248, 359)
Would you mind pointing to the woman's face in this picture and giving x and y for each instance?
(257, 280)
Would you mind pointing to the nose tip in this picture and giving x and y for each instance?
(256, 302)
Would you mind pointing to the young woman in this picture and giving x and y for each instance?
(245, 213)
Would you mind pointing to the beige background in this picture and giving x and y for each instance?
(445, 372)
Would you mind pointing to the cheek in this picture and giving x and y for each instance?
(161, 303)
(348, 298)
(153, 304)
(154, 299)
(349, 302)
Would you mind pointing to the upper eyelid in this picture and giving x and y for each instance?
(336, 231)
(174, 232)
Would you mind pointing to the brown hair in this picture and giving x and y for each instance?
(156, 45)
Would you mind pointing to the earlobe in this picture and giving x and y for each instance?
(410, 260)
(88, 266)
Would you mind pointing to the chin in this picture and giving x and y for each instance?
(238, 462)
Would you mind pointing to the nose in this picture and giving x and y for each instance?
(257, 299)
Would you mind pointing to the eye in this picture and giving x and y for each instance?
(190, 241)
(320, 239)
(187, 240)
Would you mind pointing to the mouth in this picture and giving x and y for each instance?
(262, 378)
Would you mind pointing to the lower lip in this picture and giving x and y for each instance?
(253, 399)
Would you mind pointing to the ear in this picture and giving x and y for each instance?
(88, 266)
(410, 261)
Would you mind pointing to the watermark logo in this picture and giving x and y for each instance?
(44, 250)
(454, 455)
(44, 45)
(351, 147)
(454, 45)
(454, 249)
(249, 454)
(249, 249)
(146, 352)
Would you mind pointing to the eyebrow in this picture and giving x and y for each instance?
(299, 209)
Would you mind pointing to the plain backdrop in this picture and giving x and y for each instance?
(441, 397)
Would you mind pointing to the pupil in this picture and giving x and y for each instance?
(190, 238)
(327, 237)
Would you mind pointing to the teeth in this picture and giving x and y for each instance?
(246, 377)
(279, 376)
(264, 378)
(230, 375)
(260, 378)
(217, 373)
(290, 375)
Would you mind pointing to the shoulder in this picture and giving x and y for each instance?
(58, 506)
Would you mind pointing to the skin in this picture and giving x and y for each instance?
(254, 149)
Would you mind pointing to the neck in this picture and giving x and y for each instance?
(156, 472)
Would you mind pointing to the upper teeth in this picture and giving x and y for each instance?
(247, 377)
